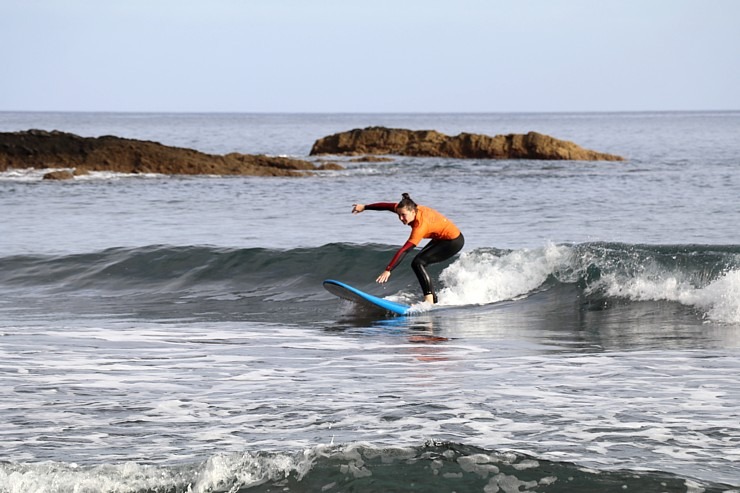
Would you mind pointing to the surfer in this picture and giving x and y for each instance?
(425, 222)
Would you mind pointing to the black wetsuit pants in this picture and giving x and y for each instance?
(435, 251)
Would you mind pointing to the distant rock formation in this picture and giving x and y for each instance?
(430, 143)
(41, 149)
(59, 175)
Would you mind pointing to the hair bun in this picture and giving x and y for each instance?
(406, 202)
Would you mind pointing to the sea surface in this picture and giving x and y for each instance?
(171, 334)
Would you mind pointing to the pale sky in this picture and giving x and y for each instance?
(369, 55)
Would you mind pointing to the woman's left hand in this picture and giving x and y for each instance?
(382, 278)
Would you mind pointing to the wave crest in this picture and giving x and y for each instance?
(700, 276)
(703, 277)
(359, 467)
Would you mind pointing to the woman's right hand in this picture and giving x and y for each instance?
(383, 278)
(357, 208)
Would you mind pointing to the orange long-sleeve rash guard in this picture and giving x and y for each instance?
(428, 224)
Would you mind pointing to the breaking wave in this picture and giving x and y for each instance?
(359, 467)
(703, 277)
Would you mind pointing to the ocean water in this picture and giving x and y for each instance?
(171, 334)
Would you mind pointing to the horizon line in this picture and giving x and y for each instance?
(218, 112)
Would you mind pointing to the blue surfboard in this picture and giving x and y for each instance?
(347, 292)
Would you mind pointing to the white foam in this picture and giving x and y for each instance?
(240, 470)
(110, 175)
(482, 277)
(720, 299)
(128, 476)
(29, 174)
(215, 474)
(34, 175)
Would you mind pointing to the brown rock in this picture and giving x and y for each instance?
(372, 159)
(42, 149)
(430, 143)
(59, 175)
(329, 166)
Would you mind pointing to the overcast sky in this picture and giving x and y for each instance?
(369, 55)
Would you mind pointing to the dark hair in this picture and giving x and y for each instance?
(406, 203)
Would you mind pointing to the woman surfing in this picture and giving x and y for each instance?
(425, 222)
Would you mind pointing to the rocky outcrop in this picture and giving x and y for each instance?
(59, 175)
(430, 143)
(41, 149)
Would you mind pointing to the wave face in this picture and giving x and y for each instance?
(165, 268)
(358, 467)
(704, 278)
